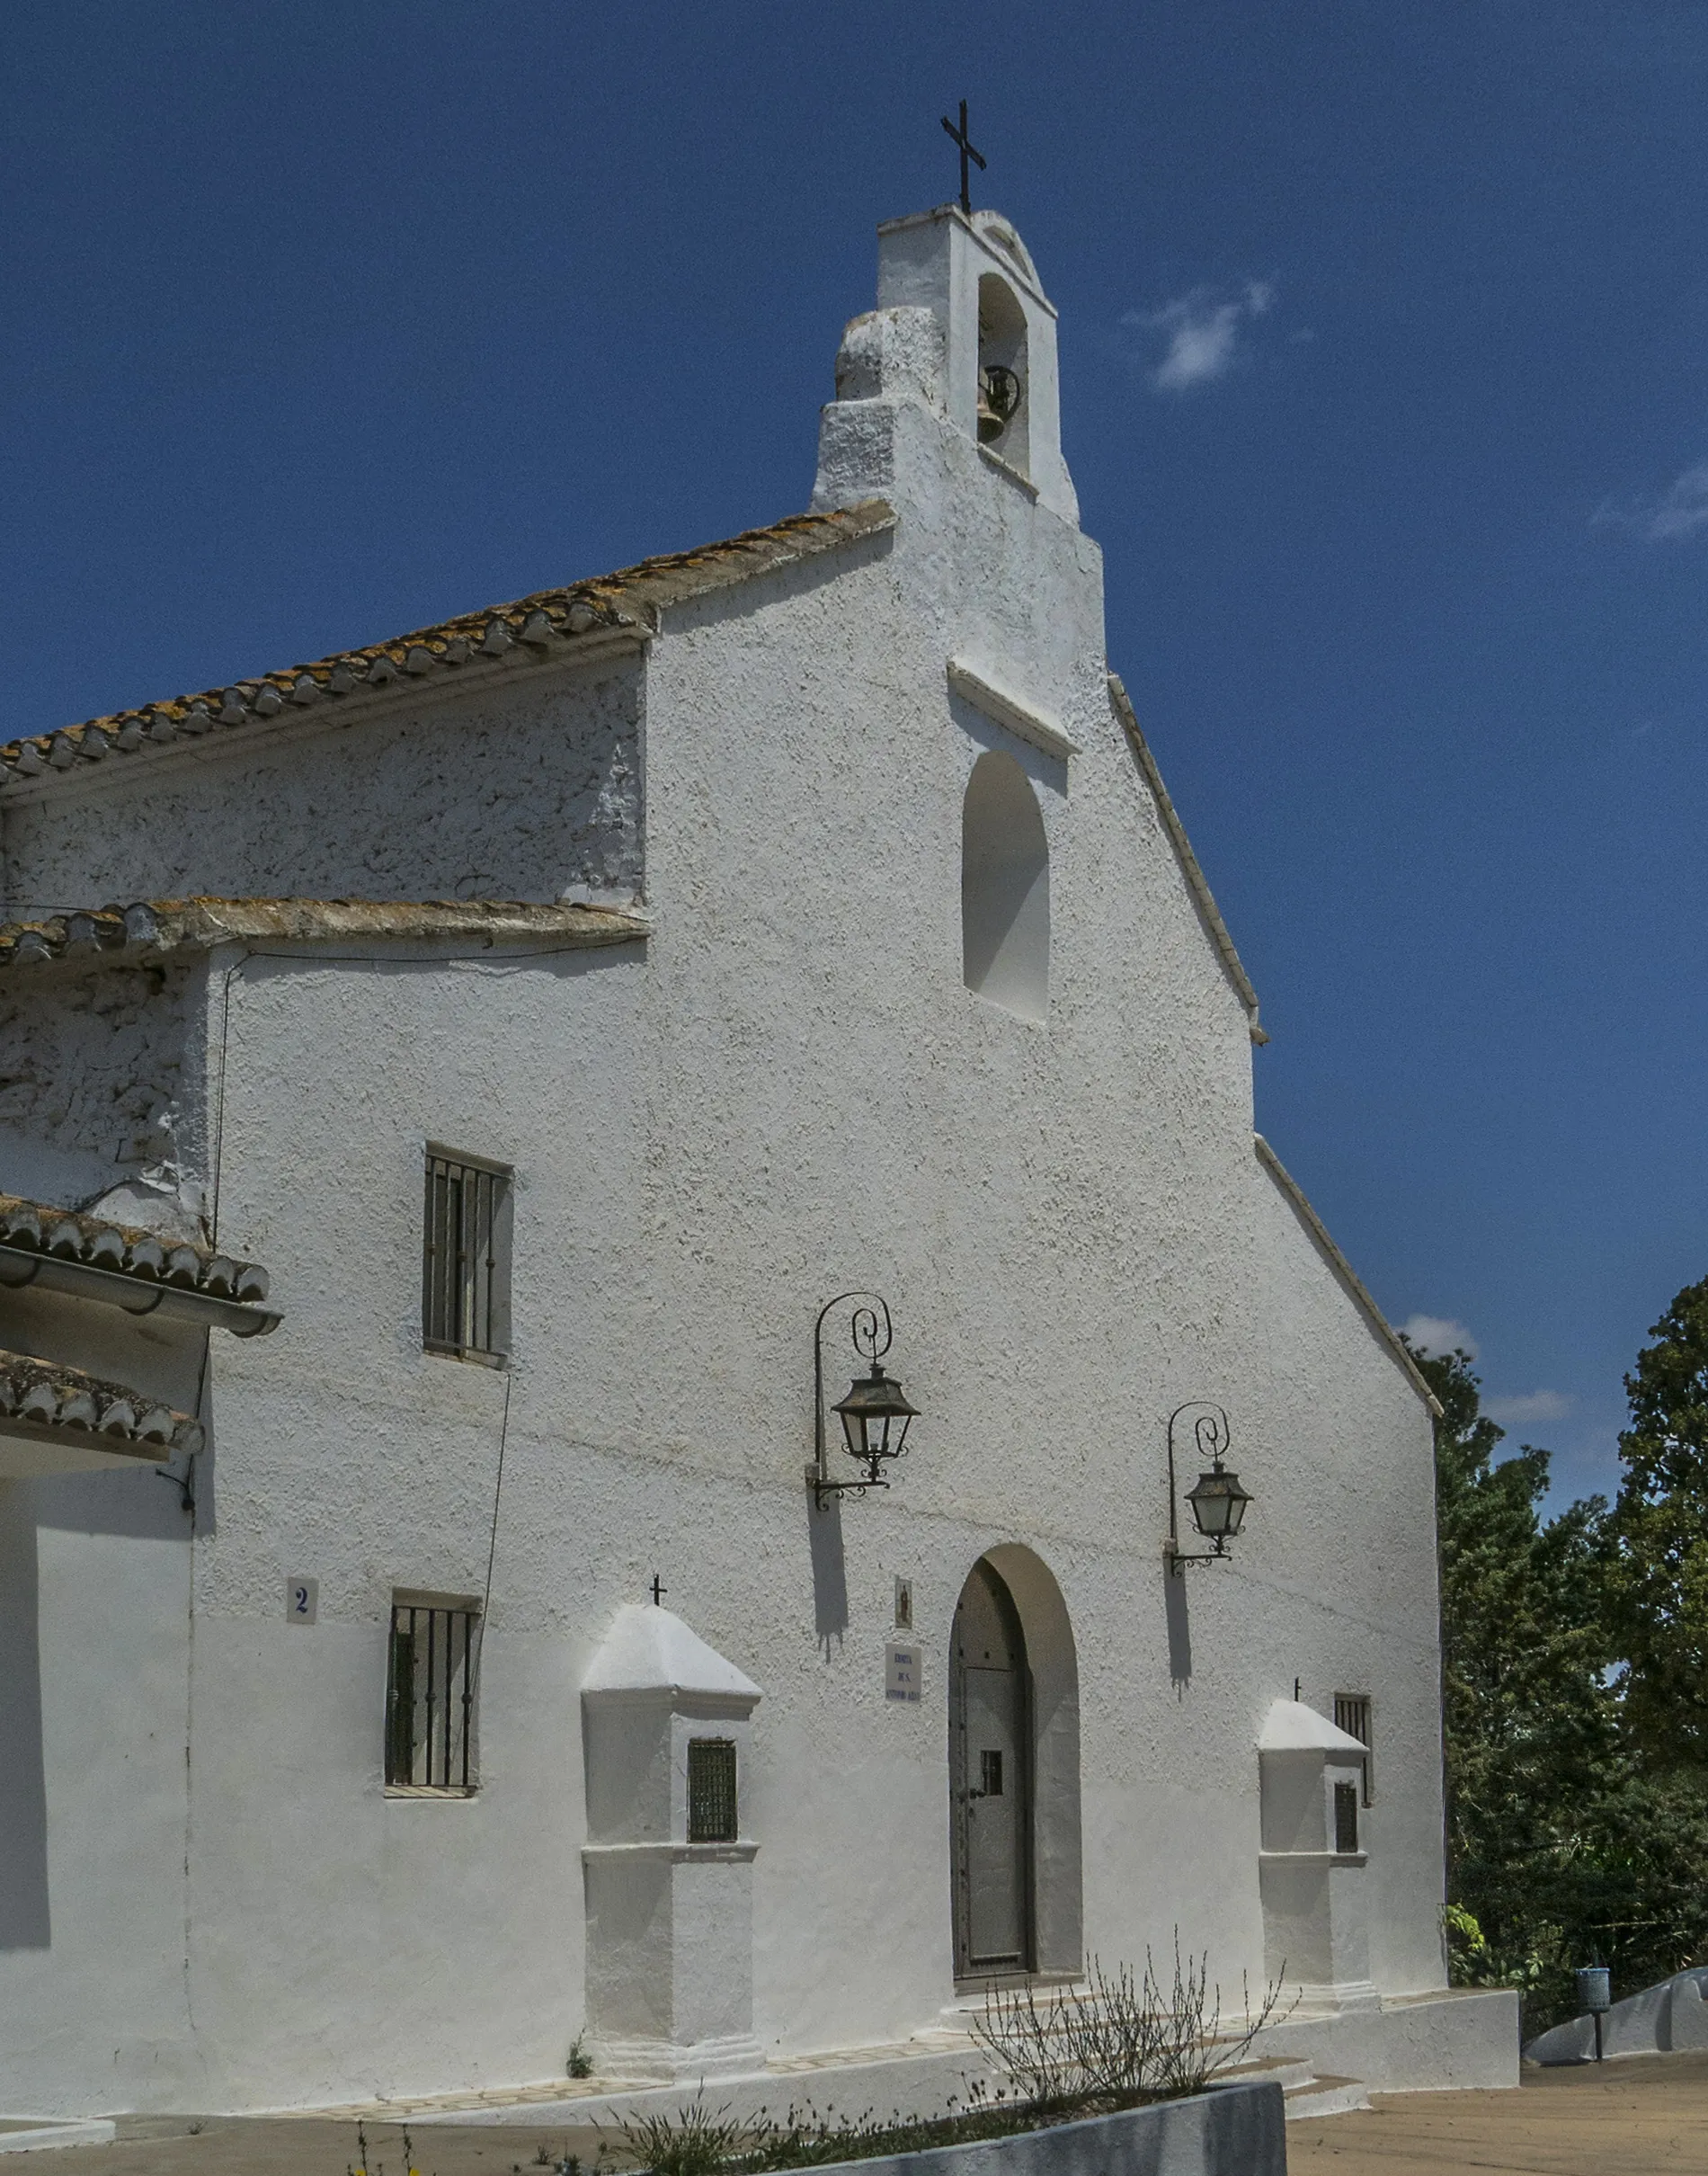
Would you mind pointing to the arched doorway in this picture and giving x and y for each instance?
(991, 1780)
(1014, 1851)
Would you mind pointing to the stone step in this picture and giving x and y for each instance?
(1289, 2072)
(1325, 2096)
(32, 2134)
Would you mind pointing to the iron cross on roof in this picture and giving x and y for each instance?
(964, 141)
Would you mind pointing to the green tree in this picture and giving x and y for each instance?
(1575, 1688)
(1659, 1590)
(1529, 1727)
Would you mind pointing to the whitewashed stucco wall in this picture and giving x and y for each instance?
(103, 1081)
(514, 787)
(787, 1091)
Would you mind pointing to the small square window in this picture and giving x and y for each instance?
(464, 1257)
(1352, 1714)
(430, 1697)
(711, 1791)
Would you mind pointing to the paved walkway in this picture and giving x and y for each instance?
(1642, 2116)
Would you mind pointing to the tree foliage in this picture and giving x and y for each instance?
(1658, 1591)
(1577, 1812)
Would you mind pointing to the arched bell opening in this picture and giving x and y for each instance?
(1005, 888)
(1014, 1772)
(1002, 418)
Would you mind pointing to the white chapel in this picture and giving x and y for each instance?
(655, 1397)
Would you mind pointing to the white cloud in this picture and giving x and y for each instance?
(1436, 1335)
(1684, 508)
(1521, 1411)
(1202, 330)
(1680, 511)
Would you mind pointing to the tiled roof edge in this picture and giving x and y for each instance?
(153, 926)
(1204, 897)
(1344, 1271)
(48, 1395)
(548, 624)
(128, 1250)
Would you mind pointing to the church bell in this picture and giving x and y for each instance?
(999, 401)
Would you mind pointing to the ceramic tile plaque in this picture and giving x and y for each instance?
(902, 1672)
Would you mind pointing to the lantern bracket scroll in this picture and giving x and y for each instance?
(876, 1414)
(1218, 1502)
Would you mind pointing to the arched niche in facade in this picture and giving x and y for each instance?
(1011, 1605)
(1002, 350)
(1005, 888)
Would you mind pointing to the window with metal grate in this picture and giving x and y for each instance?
(1346, 1817)
(1352, 1714)
(711, 1791)
(465, 1258)
(430, 1697)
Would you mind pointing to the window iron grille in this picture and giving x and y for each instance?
(464, 1270)
(429, 1698)
(990, 1774)
(711, 1791)
(1346, 1817)
(1352, 1714)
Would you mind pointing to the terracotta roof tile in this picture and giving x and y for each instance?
(546, 625)
(44, 1395)
(150, 927)
(128, 1250)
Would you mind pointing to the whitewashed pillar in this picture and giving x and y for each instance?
(670, 1921)
(1316, 1911)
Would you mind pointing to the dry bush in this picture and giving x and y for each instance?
(1125, 2038)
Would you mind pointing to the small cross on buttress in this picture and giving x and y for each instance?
(659, 1590)
(964, 141)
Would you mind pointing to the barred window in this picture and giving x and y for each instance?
(465, 1264)
(711, 1791)
(1346, 1817)
(1352, 1714)
(430, 1697)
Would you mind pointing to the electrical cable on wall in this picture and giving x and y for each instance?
(492, 1542)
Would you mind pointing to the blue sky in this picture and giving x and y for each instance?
(1385, 389)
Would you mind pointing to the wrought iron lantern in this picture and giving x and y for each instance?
(1217, 1501)
(876, 1414)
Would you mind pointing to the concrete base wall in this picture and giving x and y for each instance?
(1664, 2020)
(1447, 2042)
(1236, 2130)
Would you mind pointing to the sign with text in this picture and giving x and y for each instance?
(903, 1672)
(302, 1600)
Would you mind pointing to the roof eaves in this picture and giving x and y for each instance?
(149, 928)
(1344, 1271)
(140, 1265)
(1203, 897)
(550, 625)
(43, 1398)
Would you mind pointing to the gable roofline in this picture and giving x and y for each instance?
(1348, 1277)
(122, 936)
(553, 626)
(1204, 899)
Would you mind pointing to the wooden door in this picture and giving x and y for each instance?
(990, 1780)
